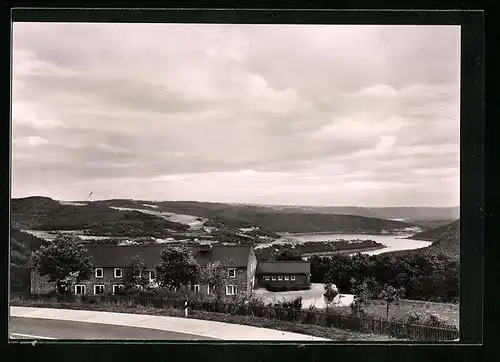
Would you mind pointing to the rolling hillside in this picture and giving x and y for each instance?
(307, 223)
(283, 220)
(439, 232)
(42, 213)
(418, 213)
(446, 240)
(231, 209)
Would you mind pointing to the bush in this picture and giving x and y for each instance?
(425, 318)
(412, 318)
(357, 309)
(288, 304)
(331, 292)
(91, 299)
(434, 320)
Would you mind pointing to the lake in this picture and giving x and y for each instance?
(392, 242)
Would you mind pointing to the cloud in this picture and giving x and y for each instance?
(284, 114)
(30, 142)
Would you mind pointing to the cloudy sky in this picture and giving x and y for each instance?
(318, 115)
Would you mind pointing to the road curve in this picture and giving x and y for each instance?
(179, 325)
(38, 328)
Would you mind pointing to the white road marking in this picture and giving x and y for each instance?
(29, 336)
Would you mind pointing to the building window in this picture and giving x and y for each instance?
(98, 289)
(117, 288)
(230, 289)
(280, 278)
(267, 277)
(118, 272)
(99, 273)
(292, 277)
(79, 289)
(231, 273)
(273, 278)
(286, 277)
(196, 288)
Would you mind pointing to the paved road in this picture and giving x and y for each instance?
(37, 328)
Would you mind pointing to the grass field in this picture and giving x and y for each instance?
(374, 308)
(448, 312)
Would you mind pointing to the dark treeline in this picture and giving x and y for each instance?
(424, 276)
(21, 245)
(271, 252)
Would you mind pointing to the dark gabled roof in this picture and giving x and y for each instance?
(284, 267)
(119, 256)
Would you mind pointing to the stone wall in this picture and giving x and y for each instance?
(41, 285)
(240, 280)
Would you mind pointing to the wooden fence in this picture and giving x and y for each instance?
(419, 332)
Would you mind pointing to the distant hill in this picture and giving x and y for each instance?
(337, 210)
(270, 218)
(445, 240)
(306, 223)
(448, 242)
(41, 213)
(34, 205)
(418, 213)
(425, 217)
(439, 232)
(47, 214)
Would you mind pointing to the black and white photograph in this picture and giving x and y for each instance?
(235, 182)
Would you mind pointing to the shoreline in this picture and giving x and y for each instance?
(286, 234)
(421, 239)
(345, 251)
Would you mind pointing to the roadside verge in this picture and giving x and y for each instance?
(211, 329)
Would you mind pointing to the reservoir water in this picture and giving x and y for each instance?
(392, 242)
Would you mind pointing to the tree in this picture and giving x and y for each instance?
(177, 267)
(213, 274)
(17, 265)
(339, 270)
(390, 295)
(364, 290)
(288, 255)
(64, 261)
(134, 274)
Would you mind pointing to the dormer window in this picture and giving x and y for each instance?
(118, 272)
(231, 273)
(99, 273)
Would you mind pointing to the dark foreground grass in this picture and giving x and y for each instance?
(128, 307)
(449, 313)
